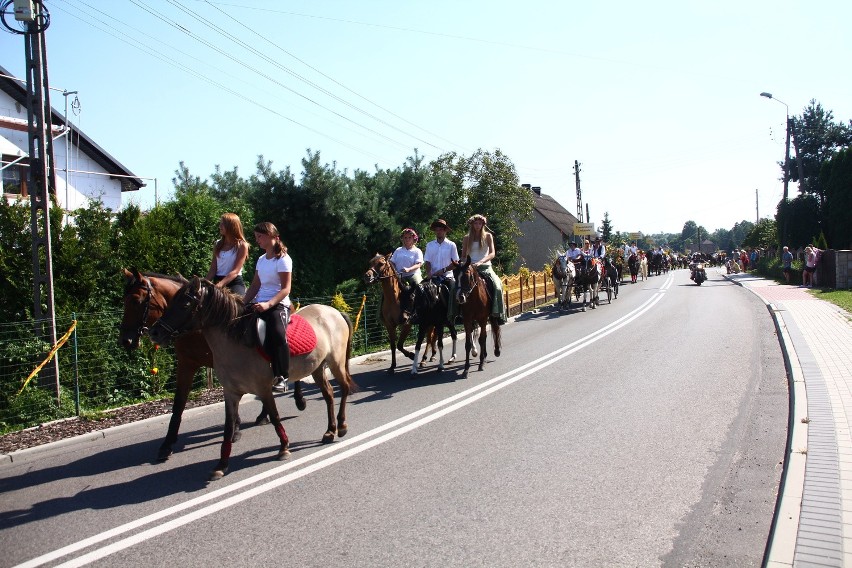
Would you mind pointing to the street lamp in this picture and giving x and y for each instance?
(786, 144)
(786, 165)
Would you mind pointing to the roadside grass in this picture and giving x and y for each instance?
(841, 298)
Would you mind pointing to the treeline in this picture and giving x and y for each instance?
(331, 221)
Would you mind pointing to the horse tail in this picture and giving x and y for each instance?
(353, 386)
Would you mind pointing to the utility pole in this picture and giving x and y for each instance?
(579, 193)
(756, 208)
(32, 19)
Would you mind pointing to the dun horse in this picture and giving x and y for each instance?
(145, 298)
(231, 335)
(475, 301)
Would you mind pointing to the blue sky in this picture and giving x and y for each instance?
(658, 101)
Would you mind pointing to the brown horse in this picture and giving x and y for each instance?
(394, 314)
(397, 309)
(145, 298)
(230, 333)
(475, 305)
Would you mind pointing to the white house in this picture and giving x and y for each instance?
(83, 169)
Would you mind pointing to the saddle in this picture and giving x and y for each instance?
(301, 337)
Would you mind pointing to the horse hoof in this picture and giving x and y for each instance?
(342, 430)
(451, 359)
(164, 454)
(328, 437)
(261, 420)
(390, 371)
(283, 454)
(409, 355)
(496, 352)
(481, 367)
(236, 437)
(300, 403)
(218, 474)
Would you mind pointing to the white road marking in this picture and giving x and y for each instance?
(399, 427)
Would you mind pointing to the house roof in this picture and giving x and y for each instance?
(18, 92)
(557, 215)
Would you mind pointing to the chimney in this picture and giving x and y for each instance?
(525, 185)
(537, 190)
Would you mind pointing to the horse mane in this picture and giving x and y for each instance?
(222, 308)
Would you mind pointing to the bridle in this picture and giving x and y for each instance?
(191, 302)
(474, 282)
(375, 275)
(143, 328)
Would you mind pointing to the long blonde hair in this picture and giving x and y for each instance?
(233, 231)
(482, 233)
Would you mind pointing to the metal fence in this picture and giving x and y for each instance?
(96, 374)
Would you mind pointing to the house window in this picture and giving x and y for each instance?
(14, 175)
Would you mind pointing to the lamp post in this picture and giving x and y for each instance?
(786, 161)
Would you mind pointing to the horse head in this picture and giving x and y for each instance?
(468, 280)
(379, 268)
(179, 317)
(140, 309)
(560, 267)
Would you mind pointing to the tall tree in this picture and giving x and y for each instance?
(817, 138)
(606, 227)
(487, 183)
(836, 179)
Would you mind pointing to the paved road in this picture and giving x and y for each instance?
(648, 432)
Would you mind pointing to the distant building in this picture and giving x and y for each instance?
(550, 229)
(707, 247)
(86, 171)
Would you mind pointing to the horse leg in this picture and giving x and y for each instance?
(298, 396)
(496, 334)
(421, 333)
(454, 337)
(392, 341)
(185, 373)
(231, 411)
(439, 333)
(468, 344)
(324, 385)
(269, 405)
(483, 336)
(404, 330)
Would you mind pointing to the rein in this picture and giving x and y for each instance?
(143, 328)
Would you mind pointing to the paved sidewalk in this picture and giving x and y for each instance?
(813, 524)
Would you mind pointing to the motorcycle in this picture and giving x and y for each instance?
(698, 275)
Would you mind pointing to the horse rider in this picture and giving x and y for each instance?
(478, 243)
(408, 259)
(440, 258)
(573, 252)
(599, 250)
(269, 296)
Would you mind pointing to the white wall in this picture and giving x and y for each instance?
(80, 187)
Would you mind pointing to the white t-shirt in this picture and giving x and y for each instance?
(270, 283)
(405, 258)
(574, 253)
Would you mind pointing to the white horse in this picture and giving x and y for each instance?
(563, 274)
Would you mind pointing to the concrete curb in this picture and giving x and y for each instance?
(781, 545)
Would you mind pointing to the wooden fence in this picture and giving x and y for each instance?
(523, 293)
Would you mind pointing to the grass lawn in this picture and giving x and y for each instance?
(842, 298)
